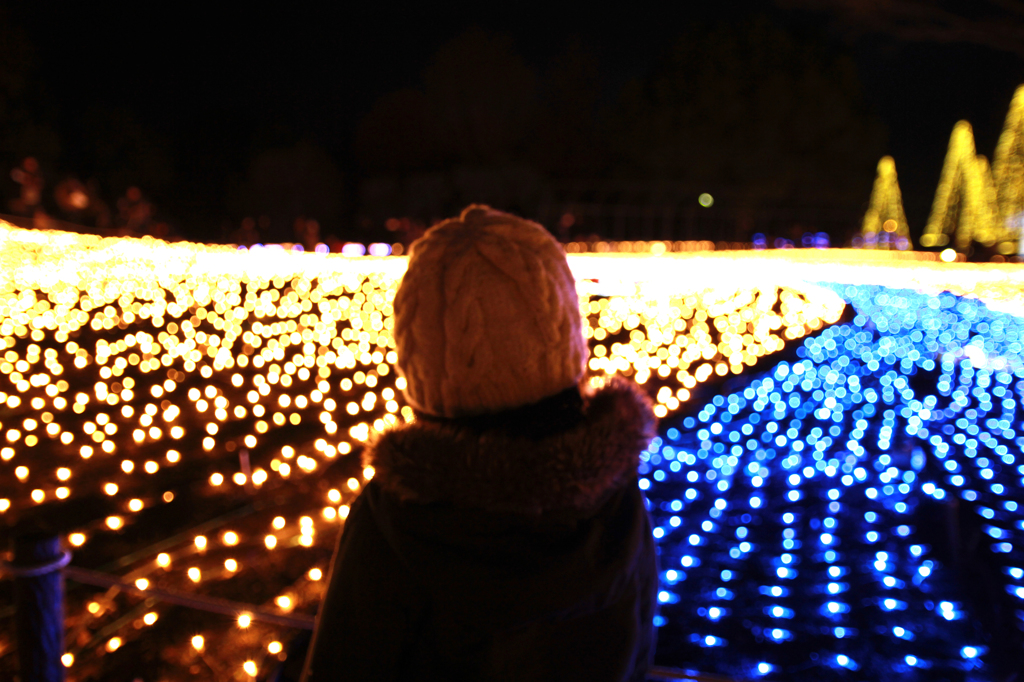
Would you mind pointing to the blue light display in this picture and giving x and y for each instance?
(814, 520)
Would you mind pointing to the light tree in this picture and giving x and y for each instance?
(1008, 174)
(885, 224)
(966, 208)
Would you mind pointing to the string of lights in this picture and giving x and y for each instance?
(158, 386)
(790, 512)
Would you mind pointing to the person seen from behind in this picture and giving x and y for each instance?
(503, 535)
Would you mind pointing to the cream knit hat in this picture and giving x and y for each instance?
(487, 317)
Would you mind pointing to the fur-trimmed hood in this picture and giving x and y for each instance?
(499, 470)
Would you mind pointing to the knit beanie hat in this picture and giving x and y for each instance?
(487, 317)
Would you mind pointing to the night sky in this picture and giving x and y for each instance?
(217, 86)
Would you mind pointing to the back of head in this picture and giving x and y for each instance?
(487, 316)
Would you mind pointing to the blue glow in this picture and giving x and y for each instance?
(832, 463)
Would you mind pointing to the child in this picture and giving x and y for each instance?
(503, 536)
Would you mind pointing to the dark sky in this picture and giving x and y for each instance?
(220, 84)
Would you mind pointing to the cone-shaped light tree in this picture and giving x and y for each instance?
(885, 224)
(965, 209)
(1008, 175)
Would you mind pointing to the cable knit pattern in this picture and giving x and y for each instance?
(487, 316)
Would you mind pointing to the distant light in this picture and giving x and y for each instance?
(948, 255)
(706, 200)
(353, 249)
(380, 249)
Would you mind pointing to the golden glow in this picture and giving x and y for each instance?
(275, 647)
(194, 342)
(150, 618)
(966, 205)
(142, 583)
(1008, 175)
(198, 642)
(885, 225)
(77, 539)
(250, 668)
(67, 660)
(113, 644)
(244, 620)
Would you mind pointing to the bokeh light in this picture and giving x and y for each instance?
(209, 406)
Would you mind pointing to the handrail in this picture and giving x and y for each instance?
(226, 607)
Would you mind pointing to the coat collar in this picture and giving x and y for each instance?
(505, 470)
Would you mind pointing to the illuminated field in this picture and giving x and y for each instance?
(195, 413)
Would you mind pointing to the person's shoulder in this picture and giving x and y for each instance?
(508, 470)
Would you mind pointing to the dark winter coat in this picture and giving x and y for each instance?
(507, 547)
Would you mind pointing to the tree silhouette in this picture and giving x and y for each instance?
(24, 127)
(997, 24)
(285, 183)
(567, 141)
(749, 107)
(483, 98)
(477, 106)
(399, 134)
(123, 152)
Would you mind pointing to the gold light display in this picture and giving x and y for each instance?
(885, 225)
(225, 394)
(1008, 173)
(965, 206)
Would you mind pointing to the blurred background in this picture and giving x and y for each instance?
(712, 121)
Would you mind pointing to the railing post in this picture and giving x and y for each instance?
(39, 604)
